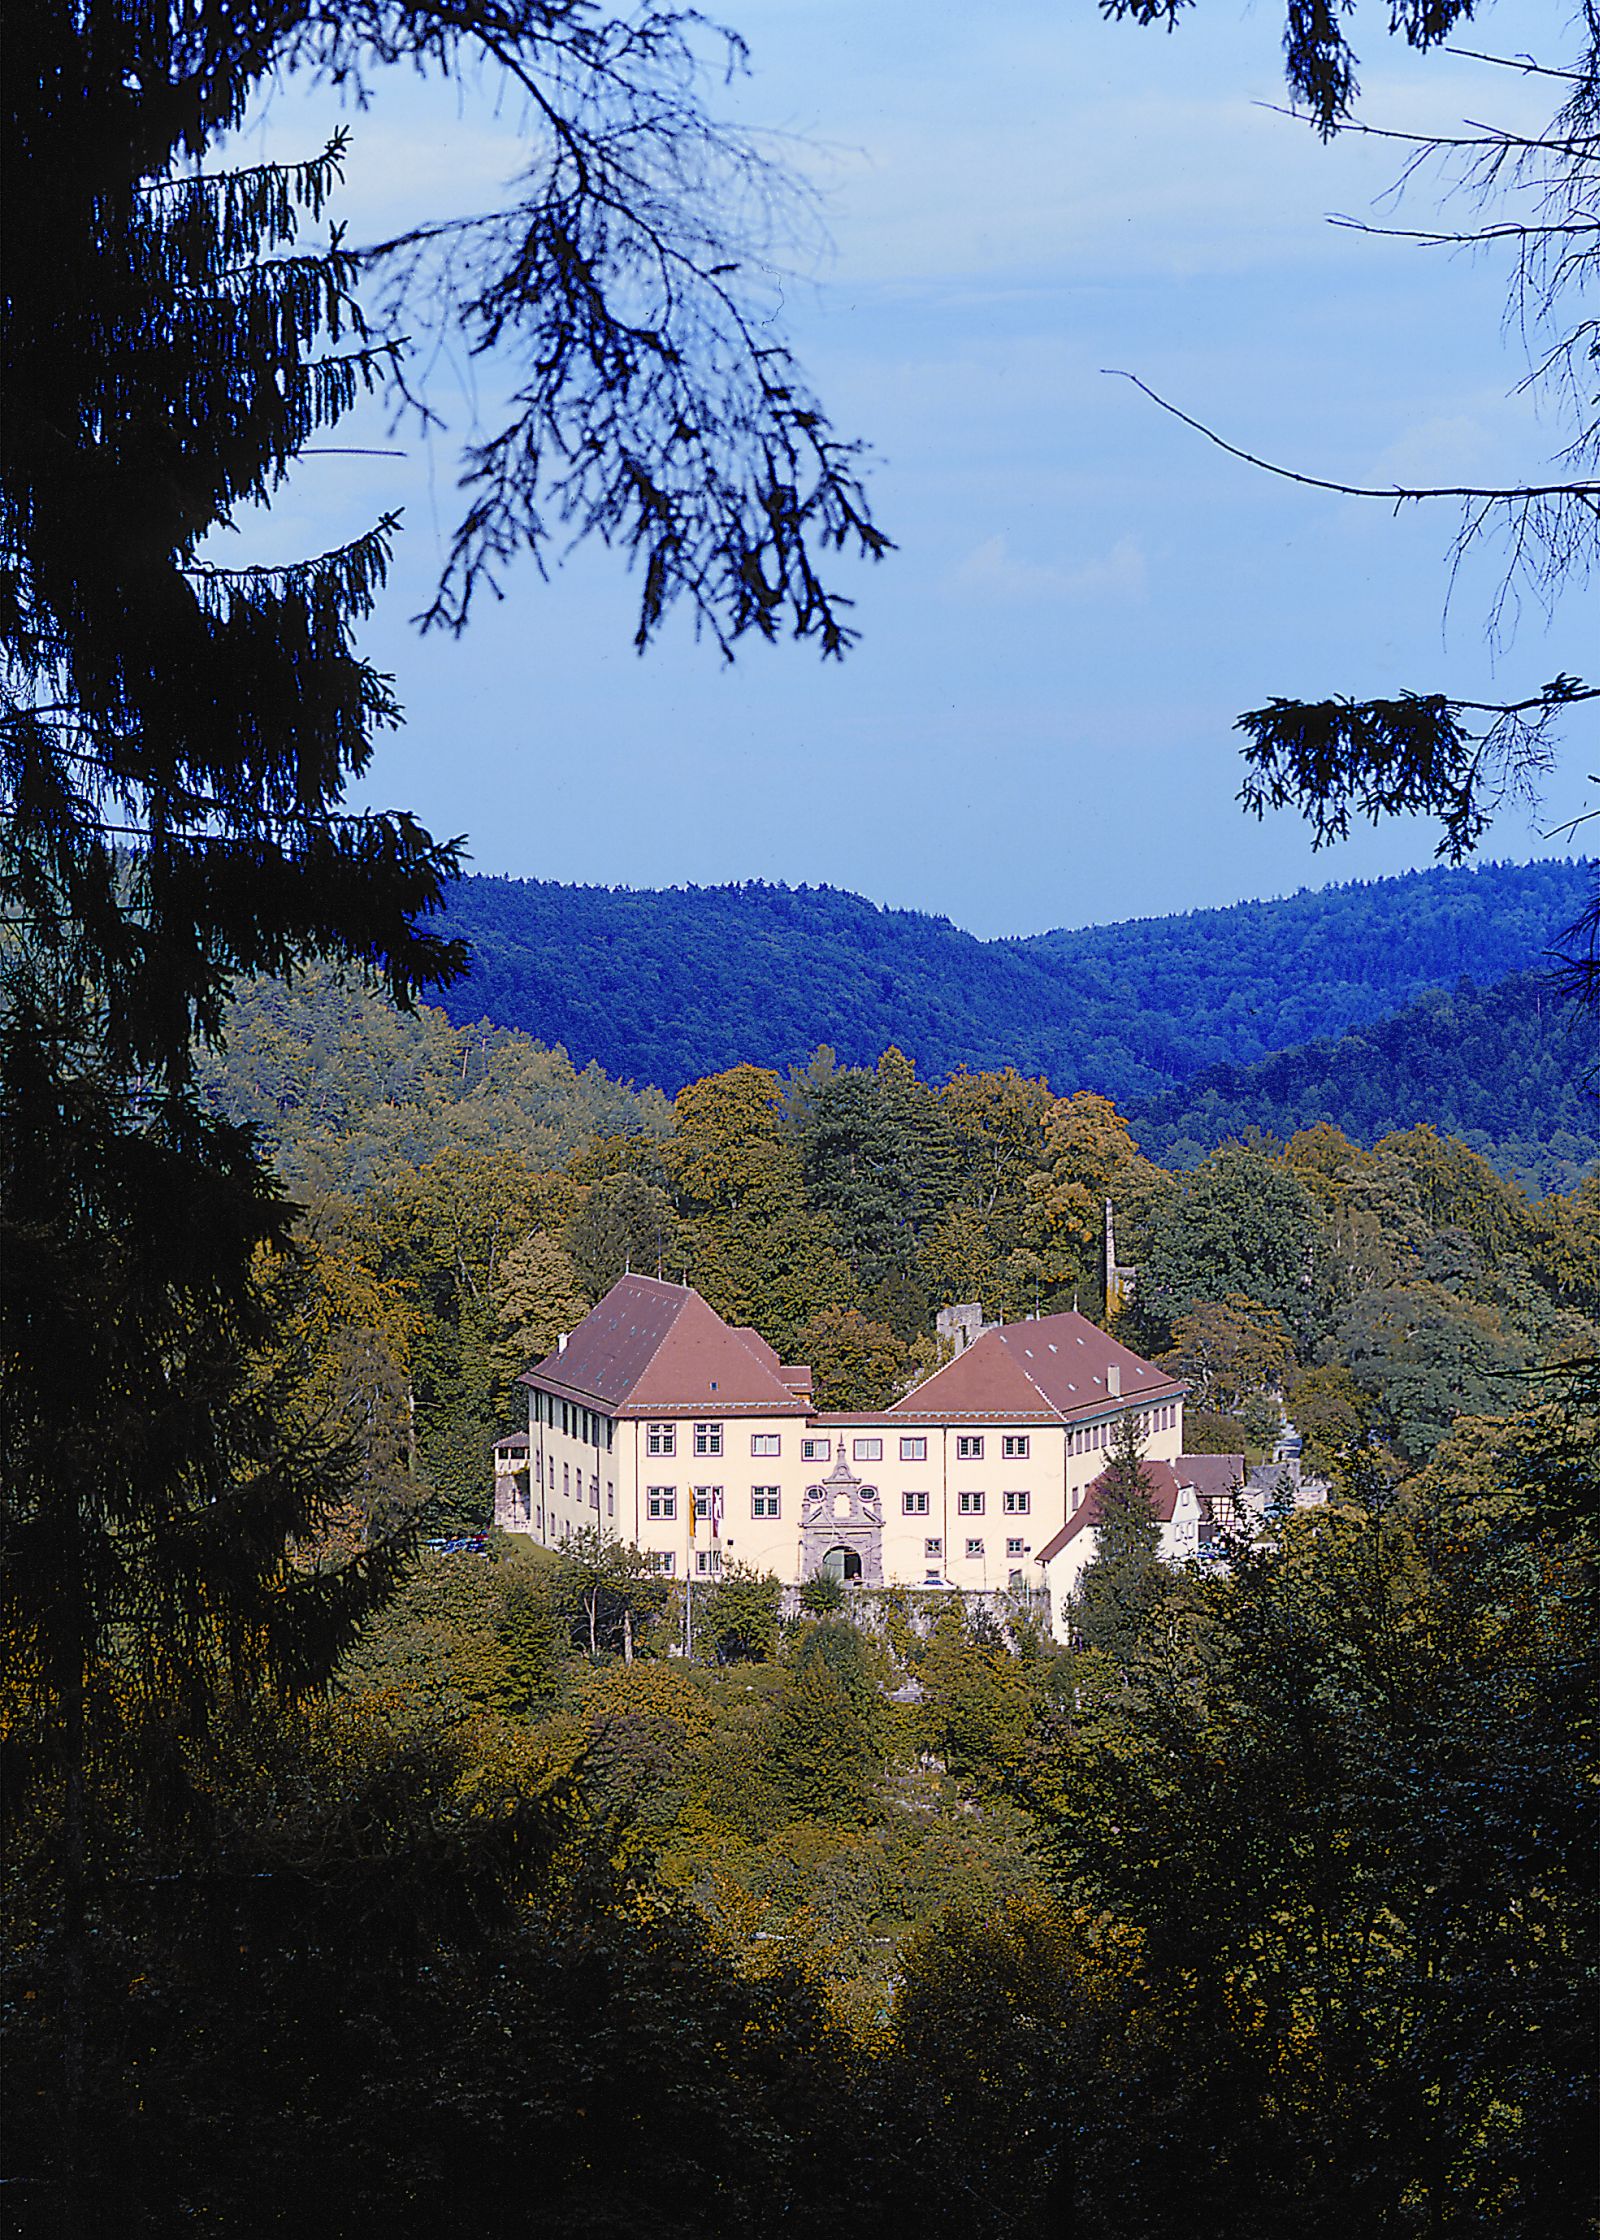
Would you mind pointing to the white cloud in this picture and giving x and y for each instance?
(990, 572)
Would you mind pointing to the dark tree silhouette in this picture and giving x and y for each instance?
(1437, 753)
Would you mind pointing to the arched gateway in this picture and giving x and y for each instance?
(841, 1529)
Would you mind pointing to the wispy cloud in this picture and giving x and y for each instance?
(990, 571)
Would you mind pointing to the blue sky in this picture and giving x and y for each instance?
(1036, 729)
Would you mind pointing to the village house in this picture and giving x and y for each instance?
(660, 1424)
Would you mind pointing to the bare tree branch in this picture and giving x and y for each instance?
(1396, 493)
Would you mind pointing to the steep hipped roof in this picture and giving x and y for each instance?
(1059, 1365)
(654, 1348)
(1164, 1483)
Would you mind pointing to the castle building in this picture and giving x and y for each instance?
(660, 1424)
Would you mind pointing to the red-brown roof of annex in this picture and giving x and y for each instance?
(1163, 1483)
(656, 1349)
(1060, 1365)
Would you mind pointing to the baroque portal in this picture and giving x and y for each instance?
(841, 1528)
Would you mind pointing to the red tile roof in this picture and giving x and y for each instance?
(656, 1349)
(1058, 1366)
(1164, 1482)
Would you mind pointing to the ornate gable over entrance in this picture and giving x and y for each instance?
(841, 1528)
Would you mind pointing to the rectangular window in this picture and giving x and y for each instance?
(969, 1446)
(566, 1480)
(866, 1450)
(708, 1562)
(974, 1550)
(914, 1450)
(1015, 1548)
(914, 1504)
(1016, 1504)
(661, 1502)
(765, 1442)
(816, 1450)
(611, 1499)
(1014, 1446)
(661, 1438)
(764, 1501)
(933, 1548)
(661, 1560)
(708, 1438)
(970, 1504)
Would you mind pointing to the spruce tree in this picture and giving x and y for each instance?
(1124, 1583)
(178, 738)
(175, 739)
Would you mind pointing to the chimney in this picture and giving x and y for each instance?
(561, 1341)
(1113, 1378)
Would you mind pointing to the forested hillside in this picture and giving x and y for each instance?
(549, 1897)
(340, 1085)
(469, 1193)
(1511, 1070)
(667, 987)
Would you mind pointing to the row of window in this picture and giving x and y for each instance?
(571, 1490)
(661, 1503)
(708, 1561)
(577, 1423)
(661, 1441)
(1091, 1436)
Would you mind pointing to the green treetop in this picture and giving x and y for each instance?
(1124, 1584)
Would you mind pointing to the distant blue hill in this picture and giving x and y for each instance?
(668, 986)
(1510, 1070)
